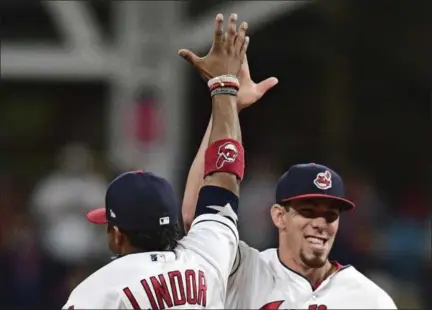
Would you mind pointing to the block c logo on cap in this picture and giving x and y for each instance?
(323, 180)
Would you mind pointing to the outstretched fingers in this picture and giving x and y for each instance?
(218, 39)
(240, 39)
(231, 33)
(244, 48)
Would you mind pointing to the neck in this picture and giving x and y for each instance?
(314, 275)
(128, 249)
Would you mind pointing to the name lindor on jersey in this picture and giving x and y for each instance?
(173, 289)
(193, 275)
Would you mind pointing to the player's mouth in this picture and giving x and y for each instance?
(316, 242)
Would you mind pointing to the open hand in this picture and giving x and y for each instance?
(227, 52)
(249, 92)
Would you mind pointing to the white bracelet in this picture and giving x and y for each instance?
(223, 79)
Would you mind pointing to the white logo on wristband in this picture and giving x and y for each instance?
(227, 153)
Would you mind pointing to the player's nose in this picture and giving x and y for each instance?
(319, 222)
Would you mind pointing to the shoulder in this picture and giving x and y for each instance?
(263, 258)
(269, 255)
(97, 285)
(90, 284)
(247, 249)
(251, 276)
(250, 255)
(370, 289)
(251, 259)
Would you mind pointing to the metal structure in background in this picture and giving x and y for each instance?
(147, 36)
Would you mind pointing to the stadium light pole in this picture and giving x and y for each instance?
(146, 63)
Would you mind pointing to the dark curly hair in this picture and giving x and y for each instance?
(165, 239)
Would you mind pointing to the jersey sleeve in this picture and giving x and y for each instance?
(250, 281)
(214, 234)
(385, 302)
(106, 300)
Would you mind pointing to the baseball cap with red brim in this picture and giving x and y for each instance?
(138, 201)
(307, 181)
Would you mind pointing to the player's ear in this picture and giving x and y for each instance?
(118, 237)
(277, 213)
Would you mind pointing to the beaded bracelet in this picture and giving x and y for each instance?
(233, 80)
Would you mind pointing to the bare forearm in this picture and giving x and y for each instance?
(225, 125)
(225, 119)
(196, 173)
(195, 179)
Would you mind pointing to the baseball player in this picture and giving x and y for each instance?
(152, 269)
(297, 275)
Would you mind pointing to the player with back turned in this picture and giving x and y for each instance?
(154, 270)
(309, 199)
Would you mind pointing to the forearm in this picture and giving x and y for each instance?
(225, 125)
(196, 172)
(195, 180)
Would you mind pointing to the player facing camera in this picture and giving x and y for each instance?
(309, 200)
(141, 214)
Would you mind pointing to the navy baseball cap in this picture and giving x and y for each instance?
(138, 201)
(304, 181)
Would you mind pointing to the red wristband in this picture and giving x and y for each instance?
(225, 155)
(225, 84)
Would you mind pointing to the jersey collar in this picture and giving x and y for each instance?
(301, 278)
(161, 256)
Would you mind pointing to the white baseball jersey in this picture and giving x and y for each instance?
(262, 281)
(194, 275)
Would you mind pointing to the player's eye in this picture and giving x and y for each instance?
(307, 212)
(330, 217)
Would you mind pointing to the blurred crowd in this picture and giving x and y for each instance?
(47, 247)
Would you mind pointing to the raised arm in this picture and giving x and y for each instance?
(213, 233)
(223, 158)
(195, 180)
(248, 94)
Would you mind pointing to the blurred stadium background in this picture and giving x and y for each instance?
(91, 89)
